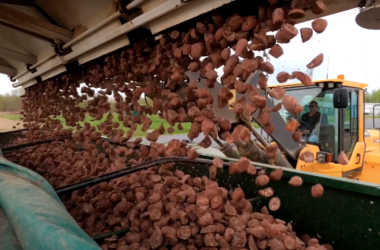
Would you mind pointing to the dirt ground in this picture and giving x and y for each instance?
(7, 125)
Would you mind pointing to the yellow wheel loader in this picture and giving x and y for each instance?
(340, 127)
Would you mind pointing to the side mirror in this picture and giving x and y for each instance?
(340, 98)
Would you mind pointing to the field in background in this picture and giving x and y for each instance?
(371, 116)
(8, 122)
(14, 117)
(156, 122)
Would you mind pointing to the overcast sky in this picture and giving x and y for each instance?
(348, 49)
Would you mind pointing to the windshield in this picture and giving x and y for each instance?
(318, 121)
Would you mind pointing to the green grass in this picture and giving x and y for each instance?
(14, 117)
(156, 122)
(255, 125)
(371, 116)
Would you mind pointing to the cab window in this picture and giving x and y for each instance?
(351, 123)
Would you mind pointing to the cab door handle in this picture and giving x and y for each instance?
(358, 155)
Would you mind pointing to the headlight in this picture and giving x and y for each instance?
(323, 157)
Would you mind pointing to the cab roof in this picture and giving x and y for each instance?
(344, 82)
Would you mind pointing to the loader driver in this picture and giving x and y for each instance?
(310, 120)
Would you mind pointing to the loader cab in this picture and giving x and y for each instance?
(337, 129)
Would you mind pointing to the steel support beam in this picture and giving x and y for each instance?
(6, 69)
(32, 25)
(17, 56)
(19, 2)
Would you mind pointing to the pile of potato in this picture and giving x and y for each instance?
(62, 164)
(157, 70)
(165, 210)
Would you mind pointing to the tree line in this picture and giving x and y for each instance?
(373, 96)
(11, 102)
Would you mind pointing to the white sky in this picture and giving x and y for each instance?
(350, 50)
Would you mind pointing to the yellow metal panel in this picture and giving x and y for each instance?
(344, 82)
(361, 115)
(230, 102)
(312, 148)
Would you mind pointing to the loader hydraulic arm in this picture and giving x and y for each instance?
(282, 137)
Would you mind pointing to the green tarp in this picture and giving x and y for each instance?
(32, 217)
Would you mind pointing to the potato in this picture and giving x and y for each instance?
(278, 16)
(240, 87)
(289, 103)
(184, 232)
(249, 109)
(228, 34)
(202, 201)
(288, 31)
(277, 107)
(305, 79)
(306, 34)
(249, 65)
(262, 39)
(262, 180)
(197, 50)
(319, 25)
(237, 195)
(317, 190)
(226, 54)
(307, 157)
(267, 192)
(238, 108)
(225, 125)
(295, 181)
(276, 174)
(342, 158)
(262, 81)
(217, 59)
(297, 136)
(206, 220)
(260, 101)
(267, 67)
(318, 7)
(217, 18)
(201, 28)
(219, 35)
(225, 94)
(212, 173)
(274, 204)
(241, 47)
(233, 166)
(230, 64)
(235, 22)
(211, 75)
(316, 61)
(292, 125)
(238, 71)
(249, 23)
(209, 38)
(216, 202)
(276, 51)
(194, 66)
(282, 77)
(277, 93)
(296, 14)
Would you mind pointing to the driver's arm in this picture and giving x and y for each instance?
(304, 129)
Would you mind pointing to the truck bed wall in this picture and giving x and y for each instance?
(346, 216)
